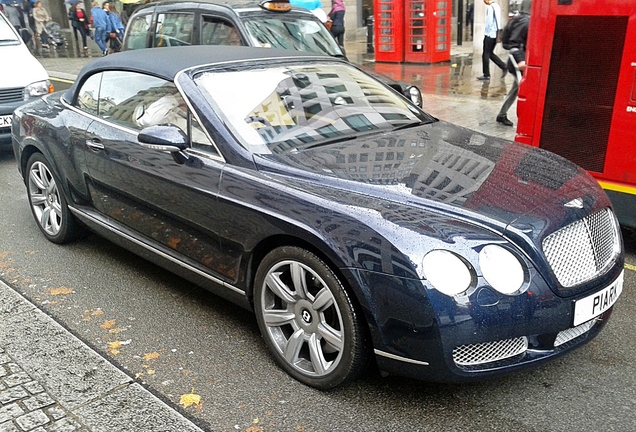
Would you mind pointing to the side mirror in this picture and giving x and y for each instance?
(165, 137)
(414, 95)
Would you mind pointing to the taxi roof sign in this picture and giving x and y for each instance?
(276, 5)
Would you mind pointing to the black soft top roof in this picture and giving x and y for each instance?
(167, 62)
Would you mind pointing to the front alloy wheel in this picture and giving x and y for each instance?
(308, 320)
(48, 204)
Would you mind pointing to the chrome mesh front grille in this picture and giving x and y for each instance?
(488, 352)
(582, 250)
(12, 95)
(574, 332)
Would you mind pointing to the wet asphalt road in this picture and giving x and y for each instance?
(177, 339)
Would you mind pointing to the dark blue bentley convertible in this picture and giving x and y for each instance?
(352, 223)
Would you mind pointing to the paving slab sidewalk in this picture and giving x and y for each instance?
(50, 381)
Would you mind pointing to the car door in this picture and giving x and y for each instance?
(139, 31)
(164, 203)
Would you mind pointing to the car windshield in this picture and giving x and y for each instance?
(293, 33)
(7, 35)
(297, 106)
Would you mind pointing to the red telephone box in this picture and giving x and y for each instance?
(389, 30)
(415, 31)
(427, 38)
(578, 94)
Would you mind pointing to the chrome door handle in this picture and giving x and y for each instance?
(94, 144)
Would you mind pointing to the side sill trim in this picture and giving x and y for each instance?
(156, 251)
(398, 358)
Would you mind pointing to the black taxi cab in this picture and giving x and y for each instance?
(268, 24)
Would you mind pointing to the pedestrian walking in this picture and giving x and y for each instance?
(79, 22)
(492, 27)
(126, 11)
(470, 19)
(41, 17)
(14, 13)
(514, 39)
(336, 15)
(101, 23)
(27, 9)
(117, 28)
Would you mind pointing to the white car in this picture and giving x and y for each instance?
(22, 77)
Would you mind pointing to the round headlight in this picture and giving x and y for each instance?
(501, 269)
(446, 272)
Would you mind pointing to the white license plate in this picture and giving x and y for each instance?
(597, 303)
(5, 121)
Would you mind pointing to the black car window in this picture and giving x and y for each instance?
(292, 33)
(174, 29)
(135, 101)
(138, 30)
(125, 96)
(200, 140)
(216, 31)
(88, 94)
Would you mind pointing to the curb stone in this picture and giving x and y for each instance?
(50, 381)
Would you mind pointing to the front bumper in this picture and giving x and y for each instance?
(538, 352)
(428, 336)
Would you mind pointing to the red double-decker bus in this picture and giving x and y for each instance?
(578, 94)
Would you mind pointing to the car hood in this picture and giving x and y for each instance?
(22, 70)
(440, 166)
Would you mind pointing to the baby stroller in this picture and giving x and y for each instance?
(54, 32)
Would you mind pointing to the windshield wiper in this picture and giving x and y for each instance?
(408, 125)
(330, 141)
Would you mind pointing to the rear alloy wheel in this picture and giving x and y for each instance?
(308, 320)
(48, 204)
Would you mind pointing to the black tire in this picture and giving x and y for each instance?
(48, 203)
(307, 319)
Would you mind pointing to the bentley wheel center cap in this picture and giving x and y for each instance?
(306, 316)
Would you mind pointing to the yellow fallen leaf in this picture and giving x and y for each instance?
(190, 399)
(173, 242)
(150, 371)
(113, 347)
(61, 290)
(108, 324)
(115, 330)
(91, 313)
(151, 356)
